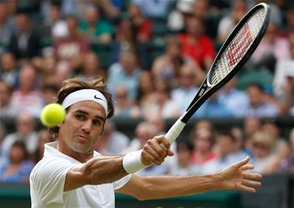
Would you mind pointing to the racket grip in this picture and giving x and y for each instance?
(175, 130)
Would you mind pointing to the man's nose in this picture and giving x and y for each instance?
(87, 126)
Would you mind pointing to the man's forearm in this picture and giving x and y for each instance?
(157, 187)
(99, 170)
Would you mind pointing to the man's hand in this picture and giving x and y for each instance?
(154, 152)
(237, 177)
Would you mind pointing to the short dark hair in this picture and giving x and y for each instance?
(227, 133)
(74, 84)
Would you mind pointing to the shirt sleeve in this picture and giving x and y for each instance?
(48, 180)
(123, 181)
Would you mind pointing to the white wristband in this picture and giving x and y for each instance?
(132, 162)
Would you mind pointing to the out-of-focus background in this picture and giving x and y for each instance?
(154, 55)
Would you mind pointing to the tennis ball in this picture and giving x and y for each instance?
(52, 114)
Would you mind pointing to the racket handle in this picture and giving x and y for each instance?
(175, 130)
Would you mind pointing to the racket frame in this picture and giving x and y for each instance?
(206, 88)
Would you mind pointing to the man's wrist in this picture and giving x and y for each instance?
(132, 162)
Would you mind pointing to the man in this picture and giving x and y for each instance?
(258, 106)
(72, 174)
(24, 42)
(225, 150)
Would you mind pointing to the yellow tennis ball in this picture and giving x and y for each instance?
(52, 114)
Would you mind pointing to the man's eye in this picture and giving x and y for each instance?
(96, 122)
(80, 117)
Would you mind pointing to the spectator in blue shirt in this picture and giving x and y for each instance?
(18, 167)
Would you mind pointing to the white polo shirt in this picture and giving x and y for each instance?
(47, 183)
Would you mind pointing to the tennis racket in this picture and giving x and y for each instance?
(233, 54)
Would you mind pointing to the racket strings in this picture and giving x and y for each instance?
(238, 47)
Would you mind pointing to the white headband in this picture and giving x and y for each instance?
(83, 95)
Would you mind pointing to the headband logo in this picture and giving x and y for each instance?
(96, 97)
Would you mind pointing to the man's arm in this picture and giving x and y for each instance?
(99, 170)
(107, 169)
(234, 177)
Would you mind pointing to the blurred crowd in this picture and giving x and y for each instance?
(154, 55)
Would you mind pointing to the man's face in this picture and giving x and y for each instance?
(225, 144)
(82, 127)
(255, 96)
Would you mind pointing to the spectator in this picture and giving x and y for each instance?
(251, 125)
(276, 14)
(111, 9)
(126, 72)
(7, 108)
(163, 105)
(3, 133)
(228, 22)
(203, 142)
(112, 141)
(95, 29)
(273, 127)
(142, 25)
(24, 42)
(232, 97)
(126, 40)
(184, 166)
(272, 49)
(196, 44)
(91, 66)
(241, 150)
(204, 124)
(262, 144)
(146, 90)
(218, 6)
(124, 108)
(6, 26)
(133, 32)
(49, 92)
(202, 8)
(12, 8)
(213, 108)
(280, 146)
(76, 7)
(27, 95)
(72, 48)
(18, 167)
(143, 131)
(47, 69)
(25, 132)
(257, 105)
(176, 18)
(153, 8)
(9, 69)
(160, 125)
(281, 69)
(283, 81)
(43, 138)
(186, 89)
(288, 100)
(54, 25)
(287, 165)
(63, 71)
(289, 30)
(226, 155)
(165, 65)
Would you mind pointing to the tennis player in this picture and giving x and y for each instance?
(72, 174)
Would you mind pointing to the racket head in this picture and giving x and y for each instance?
(234, 53)
(239, 46)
